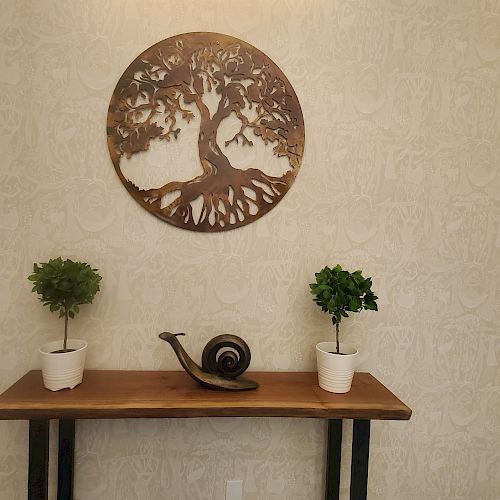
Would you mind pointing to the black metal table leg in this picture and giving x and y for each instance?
(333, 453)
(38, 466)
(65, 461)
(360, 455)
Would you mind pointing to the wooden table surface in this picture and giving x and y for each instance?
(159, 394)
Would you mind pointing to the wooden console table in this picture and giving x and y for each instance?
(160, 394)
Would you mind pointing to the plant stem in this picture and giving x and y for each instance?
(337, 335)
(65, 330)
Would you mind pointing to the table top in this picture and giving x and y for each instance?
(166, 394)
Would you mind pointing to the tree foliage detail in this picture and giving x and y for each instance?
(64, 285)
(339, 292)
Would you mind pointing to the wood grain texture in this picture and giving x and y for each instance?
(158, 394)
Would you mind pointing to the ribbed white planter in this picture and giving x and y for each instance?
(63, 370)
(335, 371)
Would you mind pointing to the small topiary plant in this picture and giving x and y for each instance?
(64, 285)
(338, 292)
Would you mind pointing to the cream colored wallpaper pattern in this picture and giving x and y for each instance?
(400, 177)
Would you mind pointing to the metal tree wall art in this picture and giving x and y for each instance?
(210, 78)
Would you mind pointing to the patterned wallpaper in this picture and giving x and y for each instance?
(400, 177)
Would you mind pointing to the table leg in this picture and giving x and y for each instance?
(360, 455)
(333, 452)
(38, 465)
(65, 463)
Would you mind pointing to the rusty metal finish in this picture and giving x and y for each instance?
(220, 365)
(167, 86)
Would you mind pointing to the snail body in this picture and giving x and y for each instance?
(224, 358)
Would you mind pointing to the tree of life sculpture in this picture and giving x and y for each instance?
(158, 90)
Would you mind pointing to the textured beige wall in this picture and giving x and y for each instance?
(400, 177)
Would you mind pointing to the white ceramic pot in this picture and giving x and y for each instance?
(335, 371)
(65, 369)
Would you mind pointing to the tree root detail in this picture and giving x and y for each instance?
(230, 199)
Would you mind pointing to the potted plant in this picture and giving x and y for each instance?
(339, 292)
(64, 285)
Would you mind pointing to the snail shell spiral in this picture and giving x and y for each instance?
(226, 355)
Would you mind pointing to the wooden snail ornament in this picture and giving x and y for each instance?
(224, 358)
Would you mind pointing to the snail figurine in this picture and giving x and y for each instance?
(224, 358)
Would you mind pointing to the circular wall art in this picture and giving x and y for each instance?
(218, 127)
